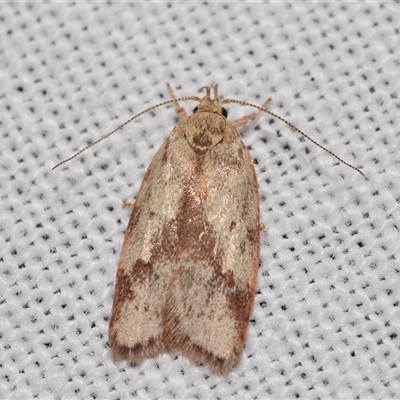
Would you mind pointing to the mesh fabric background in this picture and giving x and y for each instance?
(325, 322)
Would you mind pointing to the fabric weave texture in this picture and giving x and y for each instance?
(326, 318)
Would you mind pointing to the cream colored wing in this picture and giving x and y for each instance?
(188, 268)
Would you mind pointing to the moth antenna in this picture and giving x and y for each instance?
(244, 103)
(195, 98)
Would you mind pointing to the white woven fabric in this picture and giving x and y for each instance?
(325, 322)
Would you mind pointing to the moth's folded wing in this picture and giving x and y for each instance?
(144, 270)
(212, 291)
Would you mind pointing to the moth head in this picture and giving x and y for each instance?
(207, 104)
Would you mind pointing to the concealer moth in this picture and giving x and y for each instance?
(187, 272)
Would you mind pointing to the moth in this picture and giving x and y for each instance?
(188, 268)
(187, 272)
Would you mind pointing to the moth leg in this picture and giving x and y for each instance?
(263, 227)
(246, 119)
(129, 203)
(178, 108)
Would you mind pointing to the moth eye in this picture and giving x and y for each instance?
(224, 112)
(195, 109)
